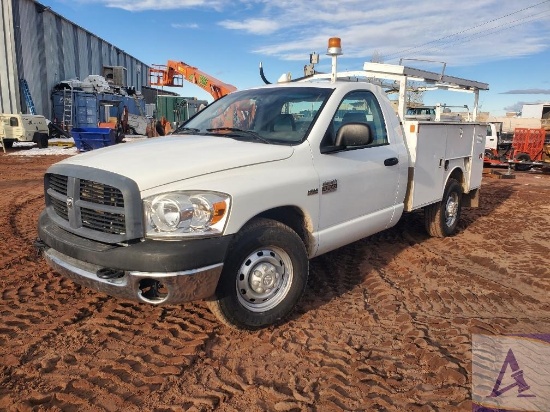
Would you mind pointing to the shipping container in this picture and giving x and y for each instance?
(177, 109)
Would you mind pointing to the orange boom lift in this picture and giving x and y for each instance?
(175, 72)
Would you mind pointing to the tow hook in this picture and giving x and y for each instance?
(40, 246)
(108, 274)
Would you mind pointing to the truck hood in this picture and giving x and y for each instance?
(159, 161)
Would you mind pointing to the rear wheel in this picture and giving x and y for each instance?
(41, 139)
(441, 218)
(263, 278)
(8, 144)
(43, 142)
(522, 157)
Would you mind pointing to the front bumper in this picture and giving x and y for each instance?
(175, 287)
(152, 271)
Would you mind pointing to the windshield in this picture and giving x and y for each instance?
(421, 111)
(268, 115)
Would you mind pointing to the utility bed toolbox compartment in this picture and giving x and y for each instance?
(436, 149)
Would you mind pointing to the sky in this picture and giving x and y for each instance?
(505, 43)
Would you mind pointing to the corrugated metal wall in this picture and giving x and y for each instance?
(9, 86)
(46, 49)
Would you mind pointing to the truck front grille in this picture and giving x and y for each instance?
(97, 206)
(60, 208)
(89, 208)
(58, 183)
(103, 221)
(101, 194)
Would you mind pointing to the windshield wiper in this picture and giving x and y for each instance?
(240, 131)
(184, 130)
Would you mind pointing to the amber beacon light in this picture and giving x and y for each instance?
(334, 46)
(334, 50)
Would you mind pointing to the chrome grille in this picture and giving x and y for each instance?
(87, 204)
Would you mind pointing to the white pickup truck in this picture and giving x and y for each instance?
(231, 209)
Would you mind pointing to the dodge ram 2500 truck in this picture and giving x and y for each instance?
(231, 208)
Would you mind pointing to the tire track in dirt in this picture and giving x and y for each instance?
(109, 355)
(18, 224)
(395, 268)
(449, 312)
(492, 285)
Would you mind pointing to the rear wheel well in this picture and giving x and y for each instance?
(457, 175)
(294, 218)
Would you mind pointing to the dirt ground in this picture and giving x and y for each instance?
(386, 322)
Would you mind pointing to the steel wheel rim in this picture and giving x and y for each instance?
(451, 209)
(264, 279)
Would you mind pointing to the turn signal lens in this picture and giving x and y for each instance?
(218, 212)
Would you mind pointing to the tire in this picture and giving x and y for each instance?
(43, 141)
(8, 144)
(263, 278)
(441, 218)
(522, 157)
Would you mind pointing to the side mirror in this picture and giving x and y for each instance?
(354, 134)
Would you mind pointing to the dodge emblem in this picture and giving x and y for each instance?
(70, 203)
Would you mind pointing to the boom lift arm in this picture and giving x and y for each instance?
(175, 72)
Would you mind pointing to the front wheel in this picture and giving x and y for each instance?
(264, 276)
(441, 218)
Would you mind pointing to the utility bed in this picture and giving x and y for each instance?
(435, 148)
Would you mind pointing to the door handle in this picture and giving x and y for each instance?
(392, 161)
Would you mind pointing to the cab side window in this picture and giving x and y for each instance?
(14, 122)
(361, 107)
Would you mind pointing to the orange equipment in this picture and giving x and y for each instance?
(175, 72)
(529, 142)
(527, 150)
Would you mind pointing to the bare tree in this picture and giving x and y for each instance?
(376, 57)
(415, 96)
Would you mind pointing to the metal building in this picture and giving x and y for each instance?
(44, 48)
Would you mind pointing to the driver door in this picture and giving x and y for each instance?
(358, 185)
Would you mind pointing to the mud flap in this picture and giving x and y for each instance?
(471, 199)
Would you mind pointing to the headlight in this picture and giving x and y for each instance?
(184, 214)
